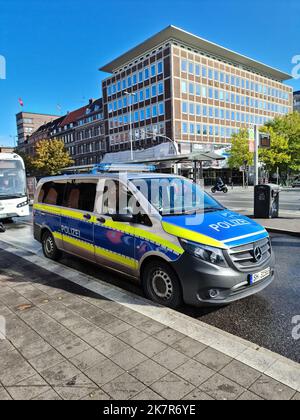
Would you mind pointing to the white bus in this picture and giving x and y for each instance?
(13, 191)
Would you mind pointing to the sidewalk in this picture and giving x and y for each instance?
(286, 223)
(67, 341)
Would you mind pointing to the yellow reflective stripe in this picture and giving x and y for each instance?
(144, 234)
(121, 227)
(79, 243)
(47, 209)
(113, 256)
(190, 235)
(58, 235)
(73, 214)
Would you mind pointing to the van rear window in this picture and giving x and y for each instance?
(52, 193)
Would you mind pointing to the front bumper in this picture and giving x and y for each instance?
(198, 278)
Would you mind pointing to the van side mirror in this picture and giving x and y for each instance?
(124, 218)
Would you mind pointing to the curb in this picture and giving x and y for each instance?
(264, 361)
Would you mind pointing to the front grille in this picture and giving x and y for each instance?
(243, 256)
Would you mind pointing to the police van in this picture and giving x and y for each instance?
(162, 230)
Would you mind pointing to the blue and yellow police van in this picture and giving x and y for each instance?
(162, 230)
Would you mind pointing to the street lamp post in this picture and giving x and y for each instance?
(130, 95)
(168, 138)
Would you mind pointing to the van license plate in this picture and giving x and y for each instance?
(254, 278)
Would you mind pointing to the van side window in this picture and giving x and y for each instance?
(52, 193)
(80, 195)
(116, 198)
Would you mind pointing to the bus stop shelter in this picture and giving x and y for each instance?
(194, 161)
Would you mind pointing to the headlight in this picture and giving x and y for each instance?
(25, 203)
(206, 253)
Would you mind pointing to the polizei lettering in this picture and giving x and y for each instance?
(229, 224)
(66, 230)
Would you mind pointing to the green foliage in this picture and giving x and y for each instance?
(278, 155)
(287, 127)
(240, 150)
(51, 157)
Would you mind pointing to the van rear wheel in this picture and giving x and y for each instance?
(160, 284)
(50, 249)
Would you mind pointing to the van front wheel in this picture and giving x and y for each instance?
(160, 284)
(50, 249)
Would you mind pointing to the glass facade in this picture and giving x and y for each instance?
(214, 99)
(198, 99)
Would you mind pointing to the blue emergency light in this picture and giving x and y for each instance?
(124, 167)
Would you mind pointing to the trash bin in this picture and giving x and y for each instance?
(266, 201)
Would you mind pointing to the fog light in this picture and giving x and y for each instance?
(213, 293)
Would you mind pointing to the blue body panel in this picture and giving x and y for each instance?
(224, 226)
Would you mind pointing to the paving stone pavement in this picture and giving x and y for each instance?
(65, 342)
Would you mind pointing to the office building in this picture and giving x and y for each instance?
(178, 86)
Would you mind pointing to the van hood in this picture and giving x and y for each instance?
(222, 229)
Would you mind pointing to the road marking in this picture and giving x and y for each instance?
(274, 365)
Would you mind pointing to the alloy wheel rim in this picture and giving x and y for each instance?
(162, 284)
(49, 246)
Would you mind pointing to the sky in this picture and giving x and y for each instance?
(54, 48)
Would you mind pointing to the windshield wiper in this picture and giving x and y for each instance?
(212, 209)
(12, 196)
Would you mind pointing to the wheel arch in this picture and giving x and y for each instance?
(156, 258)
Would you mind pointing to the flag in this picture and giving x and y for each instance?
(21, 103)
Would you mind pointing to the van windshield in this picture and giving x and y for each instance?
(176, 196)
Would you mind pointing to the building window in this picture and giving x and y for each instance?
(160, 88)
(184, 87)
(184, 128)
(154, 111)
(153, 70)
(161, 108)
(160, 68)
(153, 91)
(184, 66)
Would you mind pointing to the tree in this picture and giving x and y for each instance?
(51, 157)
(288, 126)
(240, 150)
(278, 155)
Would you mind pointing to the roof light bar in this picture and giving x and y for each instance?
(123, 167)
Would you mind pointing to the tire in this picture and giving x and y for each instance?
(50, 249)
(213, 190)
(161, 284)
(225, 190)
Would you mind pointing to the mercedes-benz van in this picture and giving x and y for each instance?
(164, 230)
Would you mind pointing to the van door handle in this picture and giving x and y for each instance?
(101, 220)
(87, 216)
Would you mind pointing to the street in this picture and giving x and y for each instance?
(264, 319)
(243, 199)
